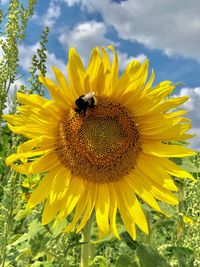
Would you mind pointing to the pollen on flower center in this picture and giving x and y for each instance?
(101, 146)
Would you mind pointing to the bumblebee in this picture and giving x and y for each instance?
(84, 102)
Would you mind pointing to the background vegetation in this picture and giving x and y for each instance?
(174, 239)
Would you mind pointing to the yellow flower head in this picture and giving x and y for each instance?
(102, 141)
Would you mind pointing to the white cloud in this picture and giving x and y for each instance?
(84, 37)
(1, 52)
(124, 59)
(4, 2)
(52, 60)
(88, 35)
(52, 14)
(3, 40)
(172, 26)
(192, 105)
(26, 52)
(11, 93)
(71, 2)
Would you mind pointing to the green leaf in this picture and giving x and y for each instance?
(179, 84)
(20, 239)
(41, 264)
(22, 214)
(129, 241)
(59, 228)
(181, 253)
(99, 261)
(188, 165)
(1, 147)
(125, 261)
(149, 257)
(181, 250)
(38, 237)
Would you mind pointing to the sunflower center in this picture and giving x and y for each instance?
(102, 137)
(101, 146)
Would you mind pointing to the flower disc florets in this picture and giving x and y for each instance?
(101, 146)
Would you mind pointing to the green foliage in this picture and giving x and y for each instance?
(38, 66)
(125, 260)
(149, 257)
(16, 18)
(99, 261)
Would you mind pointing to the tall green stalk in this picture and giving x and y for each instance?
(86, 238)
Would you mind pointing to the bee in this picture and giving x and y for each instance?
(84, 102)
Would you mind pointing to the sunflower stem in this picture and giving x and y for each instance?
(148, 236)
(85, 249)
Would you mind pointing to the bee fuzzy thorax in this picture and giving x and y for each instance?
(84, 102)
(88, 96)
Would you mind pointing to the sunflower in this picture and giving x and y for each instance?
(103, 143)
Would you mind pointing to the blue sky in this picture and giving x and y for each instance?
(167, 32)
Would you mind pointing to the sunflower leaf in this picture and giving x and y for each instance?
(149, 257)
(125, 260)
(129, 241)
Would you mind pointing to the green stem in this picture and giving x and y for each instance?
(148, 237)
(9, 219)
(85, 249)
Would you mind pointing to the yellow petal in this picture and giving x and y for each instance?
(44, 141)
(29, 130)
(55, 92)
(102, 209)
(150, 81)
(50, 210)
(43, 189)
(157, 191)
(127, 220)
(70, 95)
(31, 99)
(133, 206)
(45, 163)
(105, 60)
(76, 72)
(60, 184)
(98, 84)
(124, 82)
(155, 172)
(93, 65)
(138, 75)
(171, 103)
(137, 185)
(113, 211)
(114, 68)
(89, 207)
(14, 119)
(176, 113)
(23, 168)
(174, 133)
(161, 92)
(165, 196)
(20, 156)
(72, 196)
(172, 168)
(79, 208)
(164, 150)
